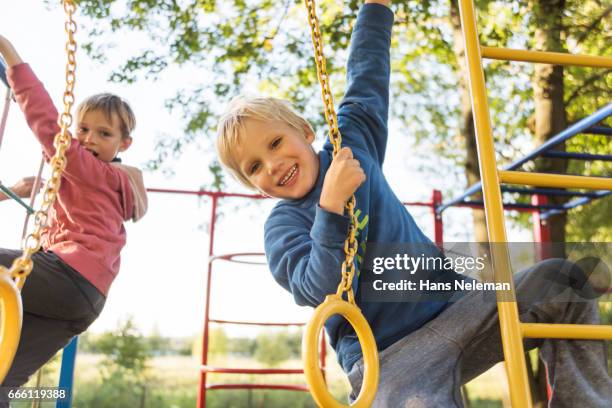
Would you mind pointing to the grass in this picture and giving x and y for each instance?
(174, 383)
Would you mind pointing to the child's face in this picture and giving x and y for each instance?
(101, 136)
(278, 159)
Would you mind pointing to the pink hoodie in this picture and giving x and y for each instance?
(86, 224)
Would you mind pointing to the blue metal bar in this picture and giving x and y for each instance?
(548, 191)
(577, 156)
(15, 197)
(599, 130)
(469, 192)
(580, 201)
(66, 381)
(3, 73)
(575, 203)
(573, 130)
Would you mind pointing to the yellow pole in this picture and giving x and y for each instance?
(508, 312)
(546, 57)
(567, 331)
(555, 180)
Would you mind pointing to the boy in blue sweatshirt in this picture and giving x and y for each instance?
(428, 348)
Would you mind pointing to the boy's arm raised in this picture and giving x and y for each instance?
(42, 116)
(363, 113)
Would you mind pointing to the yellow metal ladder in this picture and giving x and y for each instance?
(512, 330)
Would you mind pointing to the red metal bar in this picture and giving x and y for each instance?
(417, 203)
(541, 237)
(236, 370)
(506, 207)
(254, 323)
(258, 387)
(254, 196)
(217, 194)
(211, 242)
(322, 354)
(541, 229)
(436, 200)
(232, 257)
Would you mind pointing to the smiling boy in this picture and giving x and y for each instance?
(428, 347)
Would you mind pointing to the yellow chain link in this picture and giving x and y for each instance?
(350, 245)
(22, 266)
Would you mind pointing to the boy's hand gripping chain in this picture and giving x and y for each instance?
(12, 280)
(334, 304)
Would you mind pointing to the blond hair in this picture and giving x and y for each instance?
(110, 104)
(231, 126)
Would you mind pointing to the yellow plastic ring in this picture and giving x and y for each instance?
(11, 315)
(332, 305)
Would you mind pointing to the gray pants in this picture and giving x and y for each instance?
(428, 367)
(58, 304)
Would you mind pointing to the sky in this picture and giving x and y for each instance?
(163, 274)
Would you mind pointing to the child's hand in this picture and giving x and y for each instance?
(9, 53)
(343, 178)
(23, 188)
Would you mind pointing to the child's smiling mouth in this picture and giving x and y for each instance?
(290, 176)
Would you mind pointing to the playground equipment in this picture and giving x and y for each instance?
(12, 280)
(588, 125)
(512, 330)
(205, 368)
(437, 208)
(546, 185)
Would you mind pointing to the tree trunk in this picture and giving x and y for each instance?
(550, 116)
(472, 169)
(550, 119)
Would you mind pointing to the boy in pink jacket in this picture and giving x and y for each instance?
(81, 245)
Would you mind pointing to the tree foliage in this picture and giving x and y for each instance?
(274, 348)
(229, 47)
(123, 370)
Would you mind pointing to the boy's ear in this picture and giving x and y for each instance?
(125, 143)
(310, 137)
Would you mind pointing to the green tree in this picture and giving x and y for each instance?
(218, 342)
(273, 348)
(124, 348)
(158, 344)
(123, 370)
(242, 346)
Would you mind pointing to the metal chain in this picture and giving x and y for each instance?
(350, 245)
(22, 266)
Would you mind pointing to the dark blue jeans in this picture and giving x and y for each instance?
(58, 304)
